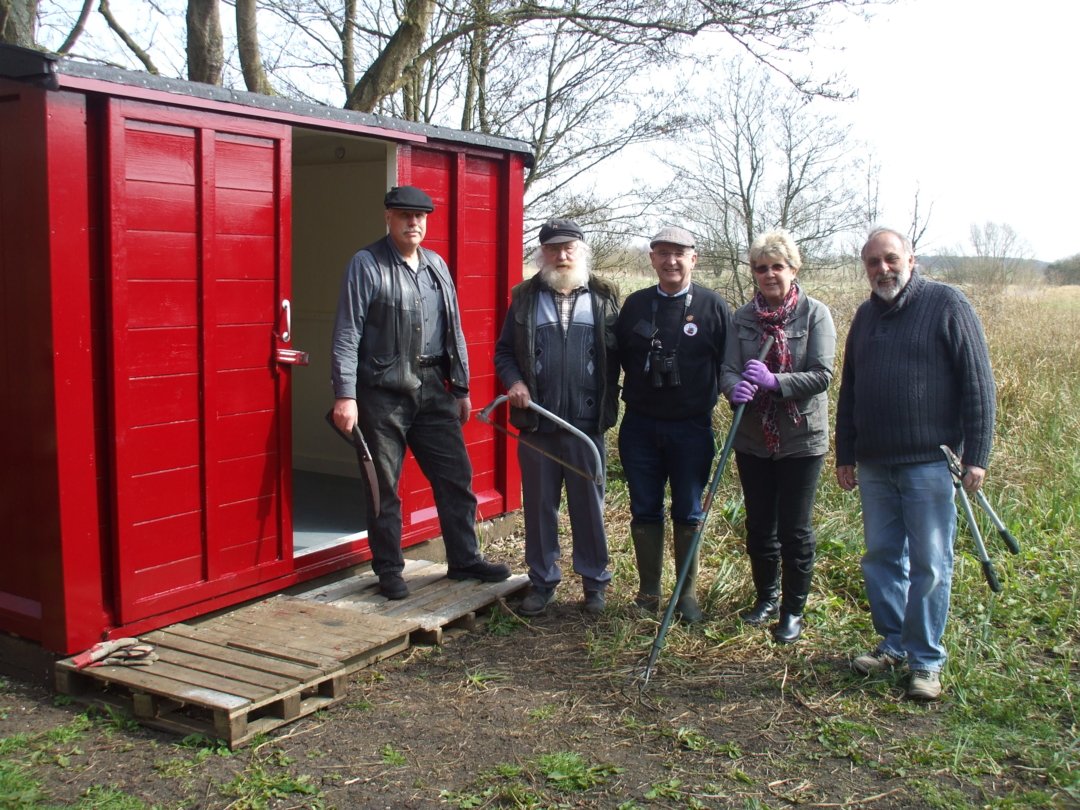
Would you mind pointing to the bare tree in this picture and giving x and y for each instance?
(920, 221)
(999, 253)
(205, 44)
(763, 158)
(129, 42)
(247, 40)
(18, 22)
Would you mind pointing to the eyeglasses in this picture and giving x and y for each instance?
(555, 248)
(672, 254)
(779, 267)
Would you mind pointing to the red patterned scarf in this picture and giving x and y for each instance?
(778, 360)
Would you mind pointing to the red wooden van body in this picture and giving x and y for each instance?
(160, 243)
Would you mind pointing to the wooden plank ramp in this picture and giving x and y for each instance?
(251, 669)
(434, 604)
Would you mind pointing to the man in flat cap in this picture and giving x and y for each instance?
(557, 348)
(400, 370)
(671, 347)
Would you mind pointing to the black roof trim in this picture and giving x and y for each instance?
(42, 68)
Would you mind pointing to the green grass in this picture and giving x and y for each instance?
(1007, 734)
(1011, 680)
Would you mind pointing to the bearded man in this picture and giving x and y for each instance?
(916, 376)
(557, 348)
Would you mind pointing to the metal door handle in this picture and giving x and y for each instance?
(286, 336)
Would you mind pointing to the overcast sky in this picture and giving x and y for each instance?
(972, 101)
(976, 102)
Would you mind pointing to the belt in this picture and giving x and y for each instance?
(430, 360)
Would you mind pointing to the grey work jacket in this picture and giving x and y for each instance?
(811, 338)
(377, 332)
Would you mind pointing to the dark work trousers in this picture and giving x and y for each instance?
(427, 421)
(656, 452)
(779, 496)
(542, 481)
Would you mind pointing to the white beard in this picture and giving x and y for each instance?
(564, 280)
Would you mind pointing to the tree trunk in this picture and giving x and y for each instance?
(17, 22)
(205, 49)
(247, 37)
(387, 72)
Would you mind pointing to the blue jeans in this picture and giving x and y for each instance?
(657, 451)
(909, 519)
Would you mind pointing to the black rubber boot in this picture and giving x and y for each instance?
(766, 574)
(687, 606)
(649, 550)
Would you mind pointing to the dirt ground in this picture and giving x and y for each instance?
(541, 714)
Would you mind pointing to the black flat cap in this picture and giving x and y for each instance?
(555, 231)
(409, 198)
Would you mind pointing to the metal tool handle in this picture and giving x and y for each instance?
(1006, 535)
(980, 547)
(485, 416)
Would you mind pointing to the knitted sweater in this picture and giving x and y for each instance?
(916, 375)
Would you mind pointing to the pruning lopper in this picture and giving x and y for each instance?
(957, 470)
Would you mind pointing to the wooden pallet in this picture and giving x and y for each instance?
(245, 672)
(251, 669)
(434, 604)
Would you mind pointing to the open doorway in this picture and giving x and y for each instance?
(337, 190)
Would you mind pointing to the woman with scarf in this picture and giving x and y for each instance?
(783, 437)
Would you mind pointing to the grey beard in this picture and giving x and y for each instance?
(890, 293)
(564, 280)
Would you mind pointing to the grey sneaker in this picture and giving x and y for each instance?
(535, 601)
(875, 661)
(924, 685)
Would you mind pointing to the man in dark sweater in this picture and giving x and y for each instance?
(916, 376)
(671, 347)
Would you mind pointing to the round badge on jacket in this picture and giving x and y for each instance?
(690, 329)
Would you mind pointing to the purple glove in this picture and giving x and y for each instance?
(758, 373)
(742, 393)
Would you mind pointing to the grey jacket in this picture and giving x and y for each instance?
(377, 335)
(812, 340)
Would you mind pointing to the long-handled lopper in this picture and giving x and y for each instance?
(596, 477)
(957, 471)
(684, 572)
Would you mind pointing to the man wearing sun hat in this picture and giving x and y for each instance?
(401, 371)
(557, 348)
(671, 347)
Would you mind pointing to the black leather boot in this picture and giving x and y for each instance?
(687, 606)
(796, 586)
(766, 574)
(649, 551)
(788, 629)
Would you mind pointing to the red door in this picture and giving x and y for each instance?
(197, 235)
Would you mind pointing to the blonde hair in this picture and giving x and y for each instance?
(776, 243)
